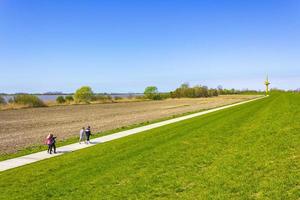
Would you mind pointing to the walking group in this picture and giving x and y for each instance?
(84, 136)
(50, 141)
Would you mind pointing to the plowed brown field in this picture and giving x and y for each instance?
(26, 127)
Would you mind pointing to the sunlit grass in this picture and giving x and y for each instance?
(246, 152)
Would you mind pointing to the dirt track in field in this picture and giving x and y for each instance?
(27, 127)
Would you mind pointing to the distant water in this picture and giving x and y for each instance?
(46, 97)
(42, 97)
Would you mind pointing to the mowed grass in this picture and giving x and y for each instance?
(250, 151)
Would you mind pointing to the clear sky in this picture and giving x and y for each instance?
(126, 45)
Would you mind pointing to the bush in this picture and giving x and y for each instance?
(118, 98)
(140, 97)
(84, 94)
(2, 100)
(60, 99)
(69, 98)
(156, 97)
(165, 95)
(161, 96)
(29, 100)
(101, 98)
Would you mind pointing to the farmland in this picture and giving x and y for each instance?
(26, 127)
(246, 152)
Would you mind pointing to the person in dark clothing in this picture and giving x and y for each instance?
(53, 146)
(88, 134)
(49, 149)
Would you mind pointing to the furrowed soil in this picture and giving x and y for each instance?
(26, 127)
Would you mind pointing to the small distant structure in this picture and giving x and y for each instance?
(267, 83)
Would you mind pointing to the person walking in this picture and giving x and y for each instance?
(88, 134)
(49, 143)
(81, 135)
(53, 145)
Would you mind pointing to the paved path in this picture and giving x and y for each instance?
(31, 158)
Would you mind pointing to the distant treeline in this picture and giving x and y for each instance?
(193, 92)
(85, 94)
(185, 91)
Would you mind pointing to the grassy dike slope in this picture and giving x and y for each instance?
(247, 152)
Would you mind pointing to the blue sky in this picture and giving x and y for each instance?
(124, 46)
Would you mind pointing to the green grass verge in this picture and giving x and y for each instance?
(246, 152)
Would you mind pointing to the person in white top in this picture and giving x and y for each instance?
(81, 135)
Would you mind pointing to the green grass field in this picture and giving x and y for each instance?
(247, 152)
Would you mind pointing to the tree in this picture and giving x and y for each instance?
(150, 92)
(198, 91)
(220, 89)
(185, 85)
(84, 94)
(60, 99)
(69, 98)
